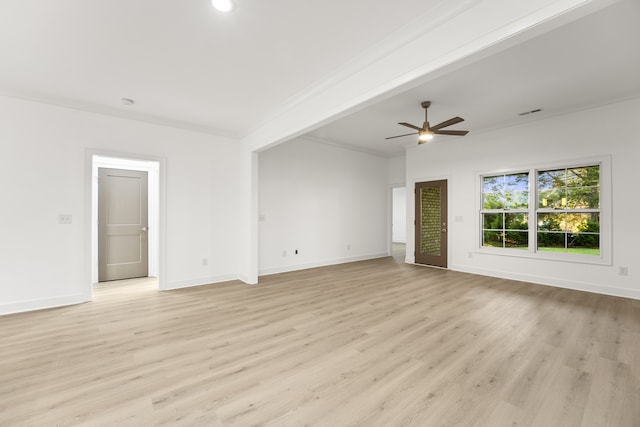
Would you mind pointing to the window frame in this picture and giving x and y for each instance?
(605, 210)
(505, 211)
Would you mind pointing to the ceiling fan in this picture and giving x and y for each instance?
(426, 132)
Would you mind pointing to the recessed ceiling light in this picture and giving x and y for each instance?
(223, 5)
(128, 101)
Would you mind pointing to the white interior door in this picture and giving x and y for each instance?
(123, 243)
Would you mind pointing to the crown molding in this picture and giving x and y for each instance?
(348, 147)
(120, 113)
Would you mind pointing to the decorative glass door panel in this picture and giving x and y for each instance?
(431, 223)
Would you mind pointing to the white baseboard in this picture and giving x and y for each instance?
(551, 281)
(181, 284)
(244, 278)
(41, 304)
(296, 267)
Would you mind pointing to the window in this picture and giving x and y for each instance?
(505, 211)
(568, 212)
(553, 212)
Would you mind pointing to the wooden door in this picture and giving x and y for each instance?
(431, 223)
(123, 242)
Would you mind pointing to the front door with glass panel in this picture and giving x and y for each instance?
(431, 223)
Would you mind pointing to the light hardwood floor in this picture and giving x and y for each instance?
(373, 343)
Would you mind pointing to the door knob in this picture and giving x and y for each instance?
(144, 228)
(444, 230)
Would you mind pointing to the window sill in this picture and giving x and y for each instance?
(601, 259)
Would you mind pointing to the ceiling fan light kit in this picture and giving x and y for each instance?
(426, 132)
(223, 5)
(425, 135)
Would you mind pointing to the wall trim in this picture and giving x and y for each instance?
(343, 146)
(551, 281)
(201, 281)
(152, 168)
(410, 254)
(89, 237)
(244, 278)
(103, 110)
(42, 304)
(325, 263)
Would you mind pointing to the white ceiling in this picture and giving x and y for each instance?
(181, 60)
(187, 65)
(592, 61)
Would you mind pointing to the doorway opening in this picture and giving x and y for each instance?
(150, 169)
(399, 223)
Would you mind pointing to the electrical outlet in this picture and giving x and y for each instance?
(296, 252)
(65, 219)
(284, 253)
(205, 261)
(623, 271)
(470, 254)
(348, 247)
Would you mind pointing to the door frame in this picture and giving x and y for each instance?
(441, 260)
(411, 216)
(156, 167)
(390, 189)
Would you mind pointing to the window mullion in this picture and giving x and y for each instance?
(533, 205)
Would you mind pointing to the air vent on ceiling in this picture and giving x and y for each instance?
(537, 110)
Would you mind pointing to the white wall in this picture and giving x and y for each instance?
(248, 232)
(329, 203)
(42, 170)
(399, 234)
(605, 131)
(397, 171)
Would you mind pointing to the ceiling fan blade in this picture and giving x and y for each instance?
(409, 125)
(399, 136)
(449, 122)
(451, 132)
